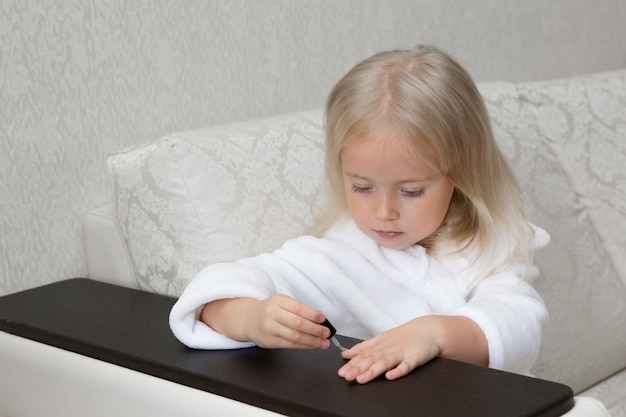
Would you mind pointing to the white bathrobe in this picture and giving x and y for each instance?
(365, 289)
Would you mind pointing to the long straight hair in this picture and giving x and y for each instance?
(425, 97)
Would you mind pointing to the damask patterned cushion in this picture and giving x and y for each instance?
(195, 198)
(553, 205)
(581, 123)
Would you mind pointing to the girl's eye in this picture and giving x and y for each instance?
(413, 193)
(360, 188)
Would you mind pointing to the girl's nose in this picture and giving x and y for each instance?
(386, 209)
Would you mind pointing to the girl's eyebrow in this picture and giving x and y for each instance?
(407, 181)
(350, 174)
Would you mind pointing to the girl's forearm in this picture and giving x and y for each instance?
(461, 339)
(226, 317)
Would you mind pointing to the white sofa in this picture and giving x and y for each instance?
(197, 197)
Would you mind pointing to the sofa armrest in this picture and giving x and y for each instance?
(587, 407)
(108, 259)
(69, 384)
(42, 380)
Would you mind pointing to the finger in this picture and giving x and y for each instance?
(295, 323)
(370, 360)
(399, 371)
(375, 369)
(356, 366)
(302, 310)
(284, 337)
(282, 343)
(300, 333)
(302, 324)
(361, 372)
(303, 318)
(359, 347)
(408, 364)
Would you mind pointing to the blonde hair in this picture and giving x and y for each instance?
(429, 100)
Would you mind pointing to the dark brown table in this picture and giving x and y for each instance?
(130, 328)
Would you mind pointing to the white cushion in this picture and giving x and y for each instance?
(580, 197)
(195, 198)
(584, 311)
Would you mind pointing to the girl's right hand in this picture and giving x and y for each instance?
(276, 322)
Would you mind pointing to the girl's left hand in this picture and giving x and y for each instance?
(395, 353)
(398, 351)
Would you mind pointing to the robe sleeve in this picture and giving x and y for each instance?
(296, 270)
(215, 282)
(511, 314)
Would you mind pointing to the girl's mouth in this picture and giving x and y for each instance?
(386, 234)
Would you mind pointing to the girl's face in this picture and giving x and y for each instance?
(392, 195)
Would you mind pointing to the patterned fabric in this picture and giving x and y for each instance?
(581, 124)
(195, 198)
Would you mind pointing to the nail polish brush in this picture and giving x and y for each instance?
(332, 336)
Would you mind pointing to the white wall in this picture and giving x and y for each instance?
(80, 79)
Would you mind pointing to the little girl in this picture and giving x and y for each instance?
(426, 251)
